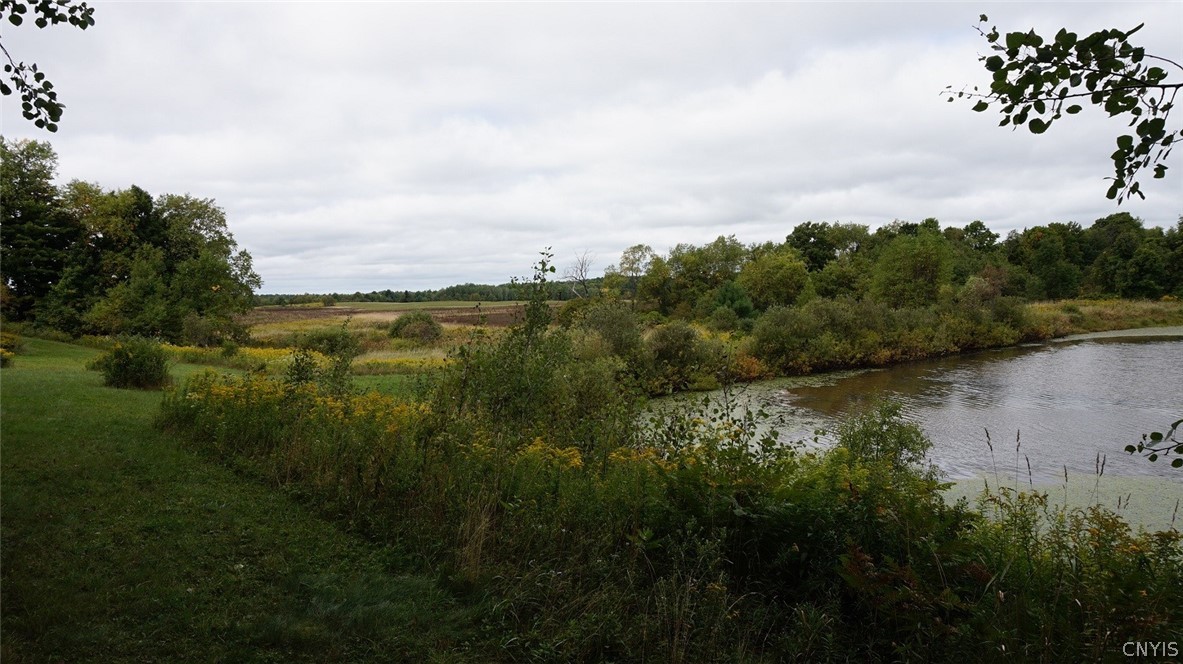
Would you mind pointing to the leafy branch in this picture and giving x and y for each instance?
(39, 101)
(1160, 443)
(1033, 78)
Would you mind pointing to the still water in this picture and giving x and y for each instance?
(1058, 406)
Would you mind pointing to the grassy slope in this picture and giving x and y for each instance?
(118, 545)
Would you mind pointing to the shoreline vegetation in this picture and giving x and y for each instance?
(511, 493)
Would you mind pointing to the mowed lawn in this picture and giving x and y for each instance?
(119, 545)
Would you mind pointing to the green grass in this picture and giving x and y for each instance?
(395, 385)
(118, 545)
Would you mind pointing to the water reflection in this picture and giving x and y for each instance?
(1065, 402)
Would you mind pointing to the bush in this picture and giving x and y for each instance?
(676, 355)
(332, 342)
(417, 326)
(618, 326)
(133, 362)
(10, 342)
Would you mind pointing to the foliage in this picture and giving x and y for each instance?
(1162, 443)
(34, 231)
(134, 362)
(912, 269)
(417, 326)
(676, 354)
(86, 261)
(39, 101)
(693, 537)
(1034, 78)
(774, 279)
(618, 326)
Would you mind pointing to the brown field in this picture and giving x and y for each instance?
(492, 314)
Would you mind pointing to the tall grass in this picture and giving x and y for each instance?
(527, 475)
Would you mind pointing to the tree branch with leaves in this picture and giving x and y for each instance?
(1037, 81)
(1160, 443)
(39, 101)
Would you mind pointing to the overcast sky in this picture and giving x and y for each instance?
(365, 146)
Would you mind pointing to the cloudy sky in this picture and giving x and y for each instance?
(364, 146)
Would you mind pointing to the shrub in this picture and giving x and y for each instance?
(5, 358)
(332, 342)
(10, 342)
(724, 319)
(618, 326)
(675, 349)
(134, 362)
(417, 326)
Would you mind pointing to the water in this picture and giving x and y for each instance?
(1063, 405)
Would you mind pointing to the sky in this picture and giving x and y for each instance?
(366, 146)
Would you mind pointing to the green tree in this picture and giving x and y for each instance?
(35, 232)
(774, 278)
(814, 242)
(657, 285)
(979, 237)
(1036, 81)
(912, 269)
(39, 101)
(634, 263)
(165, 268)
(1145, 274)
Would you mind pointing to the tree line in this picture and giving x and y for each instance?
(902, 264)
(87, 260)
(507, 292)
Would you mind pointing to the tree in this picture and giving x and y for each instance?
(912, 269)
(634, 263)
(81, 259)
(774, 279)
(35, 233)
(1037, 81)
(979, 237)
(814, 242)
(39, 101)
(579, 274)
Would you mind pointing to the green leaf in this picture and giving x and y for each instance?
(1153, 457)
(1131, 449)
(980, 106)
(1125, 142)
(1037, 126)
(1155, 437)
(15, 19)
(994, 63)
(1073, 109)
(1177, 463)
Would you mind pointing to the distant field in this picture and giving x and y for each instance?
(410, 306)
(267, 319)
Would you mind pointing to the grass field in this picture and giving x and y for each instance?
(118, 545)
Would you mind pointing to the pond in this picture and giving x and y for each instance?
(1062, 407)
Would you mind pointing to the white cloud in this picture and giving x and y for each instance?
(370, 146)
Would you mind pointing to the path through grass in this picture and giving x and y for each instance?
(117, 545)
